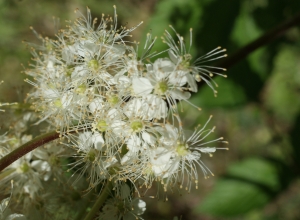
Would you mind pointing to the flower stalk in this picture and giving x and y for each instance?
(26, 148)
(100, 201)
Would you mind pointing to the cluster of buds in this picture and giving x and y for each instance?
(118, 111)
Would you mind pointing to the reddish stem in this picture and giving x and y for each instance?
(26, 148)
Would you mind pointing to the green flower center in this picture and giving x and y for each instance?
(148, 171)
(24, 167)
(113, 99)
(81, 89)
(57, 103)
(185, 63)
(91, 155)
(101, 125)
(137, 126)
(48, 46)
(182, 149)
(53, 160)
(161, 88)
(93, 64)
(13, 141)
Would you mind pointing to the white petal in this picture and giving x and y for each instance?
(129, 156)
(162, 68)
(41, 154)
(141, 86)
(134, 143)
(79, 71)
(173, 56)
(66, 99)
(148, 138)
(177, 94)
(96, 105)
(135, 108)
(41, 166)
(157, 107)
(192, 82)
(160, 156)
(139, 206)
(110, 162)
(178, 78)
(98, 141)
(49, 93)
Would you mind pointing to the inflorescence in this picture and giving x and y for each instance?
(117, 112)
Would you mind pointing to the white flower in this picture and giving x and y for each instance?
(92, 157)
(181, 57)
(162, 80)
(176, 159)
(161, 163)
(26, 175)
(149, 107)
(88, 141)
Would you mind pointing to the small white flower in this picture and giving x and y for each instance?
(198, 70)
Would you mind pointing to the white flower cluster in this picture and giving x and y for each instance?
(90, 80)
(117, 111)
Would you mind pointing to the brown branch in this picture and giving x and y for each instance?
(26, 148)
(261, 41)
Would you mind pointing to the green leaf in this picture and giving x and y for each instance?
(282, 90)
(256, 170)
(232, 197)
(250, 184)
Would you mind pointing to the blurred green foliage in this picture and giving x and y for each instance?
(248, 185)
(256, 110)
